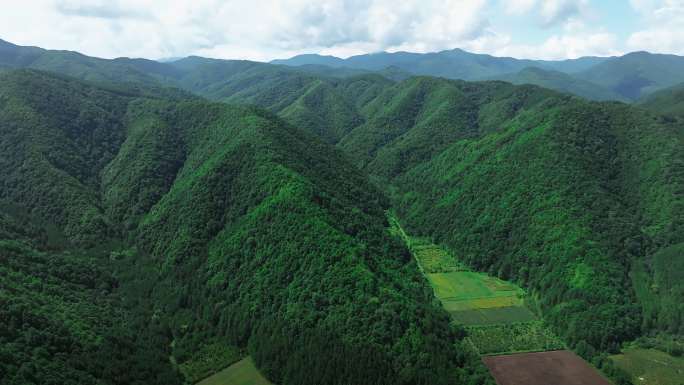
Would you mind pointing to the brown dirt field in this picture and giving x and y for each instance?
(559, 367)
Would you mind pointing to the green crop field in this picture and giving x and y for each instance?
(240, 373)
(513, 338)
(491, 316)
(650, 366)
(474, 288)
(492, 310)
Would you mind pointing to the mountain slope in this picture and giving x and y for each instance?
(637, 74)
(74, 64)
(669, 101)
(562, 82)
(418, 118)
(241, 229)
(559, 194)
(325, 106)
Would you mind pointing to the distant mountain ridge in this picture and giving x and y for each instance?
(623, 78)
(626, 77)
(473, 66)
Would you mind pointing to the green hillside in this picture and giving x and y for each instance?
(161, 226)
(294, 93)
(581, 177)
(668, 102)
(566, 197)
(627, 77)
(636, 74)
(240, 228)
(562, 82)
(415, 120)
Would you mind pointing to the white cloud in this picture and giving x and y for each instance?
(664, 26)
(643, 5)
(548, 12)
(267, 29)
(256, 29)
(576, 41)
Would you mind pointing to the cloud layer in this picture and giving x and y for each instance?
(267, 29)
(664, 32)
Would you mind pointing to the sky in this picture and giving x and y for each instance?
(270, 29)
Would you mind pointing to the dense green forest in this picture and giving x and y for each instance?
(577, 201)
(668, 102)
(596, 188)
(199, 223)
(143, 223)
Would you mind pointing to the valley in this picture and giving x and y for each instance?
(516, 346)
(214, 221)
(499, 326)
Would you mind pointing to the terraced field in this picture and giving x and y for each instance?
(492, 310)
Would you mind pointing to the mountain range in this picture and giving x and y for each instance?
(158, 220)
(625, 78)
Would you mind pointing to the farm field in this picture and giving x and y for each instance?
(530, 336)
(559, 367)
(242, 372)
(474, 290)
(650, 366)
(492, 316)
(492, 310)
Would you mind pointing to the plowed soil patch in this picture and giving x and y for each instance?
(559, 367)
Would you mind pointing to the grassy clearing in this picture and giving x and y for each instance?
(493, 316)
(242, 372)
(650, 366)
(530, 336)
(475, 288)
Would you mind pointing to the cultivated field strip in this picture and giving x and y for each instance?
(492, 310)
(558, 368)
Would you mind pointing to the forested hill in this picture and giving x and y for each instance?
(668, 102)
(197, 224)
(260, 229)
(588, 196)
(579, 201)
